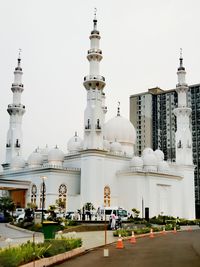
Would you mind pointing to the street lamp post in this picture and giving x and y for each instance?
(43, 191)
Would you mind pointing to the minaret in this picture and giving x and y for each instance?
(182, 112)
(94, 83)
(16, 111)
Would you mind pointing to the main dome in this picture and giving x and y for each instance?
(120, 129)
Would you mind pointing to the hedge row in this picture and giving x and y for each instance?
(16, 256)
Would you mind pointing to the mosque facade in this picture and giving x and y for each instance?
(101, 168)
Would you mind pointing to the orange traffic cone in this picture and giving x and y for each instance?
(151, 233)
(133, 240)
(163, 231)
(174, 230)
(119, 243)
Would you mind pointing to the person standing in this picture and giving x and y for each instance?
(113, 221)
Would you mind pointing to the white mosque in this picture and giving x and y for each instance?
(101, 168)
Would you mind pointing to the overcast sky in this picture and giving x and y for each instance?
(140, 43)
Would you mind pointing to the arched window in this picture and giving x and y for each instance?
(106, 196)
(62, 191)
(41, 194)
(33, 194)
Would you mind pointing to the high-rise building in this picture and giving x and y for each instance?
(152, 114)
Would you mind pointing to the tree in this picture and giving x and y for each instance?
(31, 205)
(6, 205)
(60, 204)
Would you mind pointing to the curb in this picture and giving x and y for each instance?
(56, 259)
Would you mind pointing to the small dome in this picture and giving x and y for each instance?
(147, 150)
(106, 145)
(75, 143)
(163, 166)
(116, 147)
(121, 129)
(44, 151)
(159, 155)
(136, 162)
(35, 159)
(150, 159)
(56, 156)
(18, 162)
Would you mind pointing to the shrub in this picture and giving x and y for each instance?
(72, 223)
(62, 245)
(25, 253)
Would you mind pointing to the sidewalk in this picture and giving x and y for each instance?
(12, 235)
(92, 239)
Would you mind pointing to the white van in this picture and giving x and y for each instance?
(106, 212)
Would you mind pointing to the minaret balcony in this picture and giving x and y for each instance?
(16, 108)
(184, 111)
(17, 87)
(17, 84)
(93, 50)
(97, 128)
(94, 81)
(94, 54)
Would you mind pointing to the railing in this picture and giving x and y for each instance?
(94, 77)
(94, 51)
(16, 106)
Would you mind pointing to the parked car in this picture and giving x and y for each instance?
(20, 218)
(18, 211)
(2, 217)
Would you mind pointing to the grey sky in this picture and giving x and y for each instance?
(140, 43)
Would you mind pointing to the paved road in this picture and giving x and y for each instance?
(15, 236)
(172, 250)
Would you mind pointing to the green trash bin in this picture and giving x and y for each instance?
(49, 229)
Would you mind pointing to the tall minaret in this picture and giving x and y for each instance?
(182, 112)
(16, 111)
(94, 83)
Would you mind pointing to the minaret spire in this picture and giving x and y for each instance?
(94, 84)
(182, 112)
(16, 111)
(181, 60)
(95, 19)
(118, 109)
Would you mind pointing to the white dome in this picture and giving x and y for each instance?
(116, 147)
(136, 162)
(149, 159)
(163, 166)
(75, 143)
(18, 162)
(35, 159)
(120, 129)
(106, 145)
(159, 155)
(55, 156)
(44, 151)
(147, 150)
